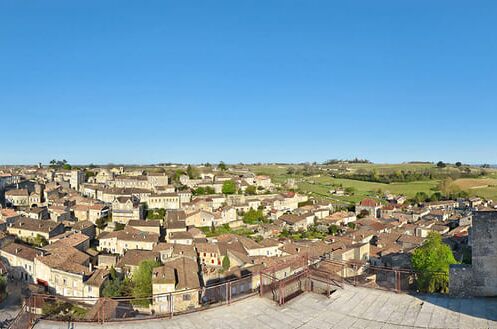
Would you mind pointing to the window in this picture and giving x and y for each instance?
(212, 261)
(187, 297)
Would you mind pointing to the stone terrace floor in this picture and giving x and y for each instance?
(351, 307)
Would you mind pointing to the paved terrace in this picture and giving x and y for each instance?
(349, 308)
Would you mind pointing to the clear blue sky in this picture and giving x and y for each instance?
(195, 81)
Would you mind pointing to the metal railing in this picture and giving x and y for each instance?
(277, 283)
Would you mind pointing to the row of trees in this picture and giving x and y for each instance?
(339, 161)
(58, 164)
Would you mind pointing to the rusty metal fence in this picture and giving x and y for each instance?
(377, 277)
(280, 283)
(101, 310)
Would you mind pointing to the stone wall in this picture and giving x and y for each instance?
(480, 278)
(460, 278)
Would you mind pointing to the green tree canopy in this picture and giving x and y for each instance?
(253, 216)
(229, 187)
(39, 241)
(333, 229)
(142, 282)
(222, 166)
(440, 164)
(421, 197)
(432, 261)
(251, 190)
(191, 172)
(226, 263)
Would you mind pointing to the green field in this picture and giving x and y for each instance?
(320, 185)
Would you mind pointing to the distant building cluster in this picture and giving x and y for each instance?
(65, 230)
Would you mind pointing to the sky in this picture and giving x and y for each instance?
(100, 81)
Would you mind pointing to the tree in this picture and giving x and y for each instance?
(229, 187)
(333, 229)
(420, 197)
(222, 166)
(251, 190)
(349, 190)
(437, 196)
(448, 187)
(39, 241)
(253, 216)
(351, 225)
(191, 172)
(226, 263)
(112, 288)
(142, 282)
(432, 261)
(199, 191)
(177, 174)
(101, 223)
(440, 164)
(458, 164)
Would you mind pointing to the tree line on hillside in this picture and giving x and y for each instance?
(339, 161)
(403, 176)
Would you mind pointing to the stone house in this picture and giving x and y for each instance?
(209, 254)
(370, 207)
(118, 242)
(19, 260)
(152, 226)
(125, 209)
(176, 286)
(184, 238)
(163, 201)
(17, 198)
(27, 228)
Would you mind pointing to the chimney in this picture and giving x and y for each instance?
(90, 267)
(17, 250)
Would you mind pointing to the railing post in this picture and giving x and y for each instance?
(260, 285)
(171, 305)
(229, 292)
(397, 280)
(226, 292)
